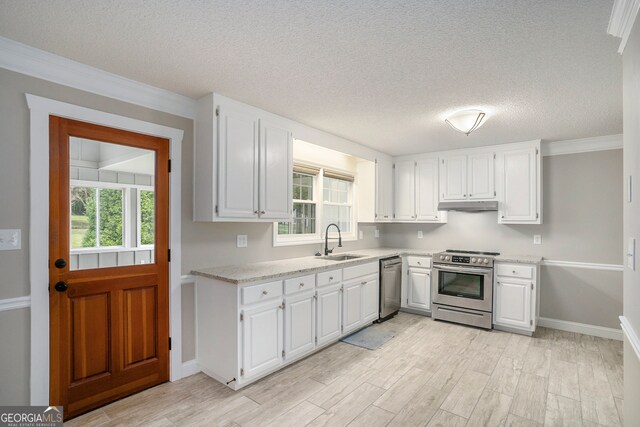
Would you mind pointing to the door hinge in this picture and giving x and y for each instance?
(537, 215)
(169, 166)
(316, 340)
(536, 151)
(376, 161)
(281, 305)
(241, 372)
(216, 208)
(315, 296)
(169, 255)
(241, 317)
(494, 156)
(531, 322)
(494, 194)
(282, 353)
(169, 343)
(443, 161)
(394, 166)
(217, 111)
(532, 286)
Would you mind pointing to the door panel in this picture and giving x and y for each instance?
(453, 178)
(108, 268)
(300, 325)
(405, 195)
(329, 314)
(352, 306)
(419, 289)
(519, 187)
(384, 190)
(513, 303)
(427, 190)
(370, 300)
(262, 331)
(481, 176)
(276, 170)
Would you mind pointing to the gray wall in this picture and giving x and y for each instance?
(631, 131)
(582, 222)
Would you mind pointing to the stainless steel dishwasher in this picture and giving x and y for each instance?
(390, 282)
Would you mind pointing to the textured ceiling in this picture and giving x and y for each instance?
(380, 72)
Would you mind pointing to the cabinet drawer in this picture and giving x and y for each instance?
(263, 292)
(419, 261)
(515, 270)
(329, 277)
(360, 270)
(299, 284)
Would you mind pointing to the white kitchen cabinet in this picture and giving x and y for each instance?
(419, 289)
(520, 176)
(329, 318)
(262, 342)
(453, 177)
(384, 191)
(243, 163)
(299, 324)
(405, 191)
(481, 179)
(370, 299)
(351, 306)
(427, 191)
(516, 293)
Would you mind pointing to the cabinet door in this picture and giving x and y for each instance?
(481, 176)
(351, 306)
(262, 338)
(370, 300)
(299, 325)
(519, 187)
(513, 303)
(419, 289)
(276, 170)
(237, 163)
(384, 191)
(329, 314)
(405, 194)
(453, 178)
(427, 190)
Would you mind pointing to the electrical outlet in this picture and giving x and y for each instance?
(241, 241)
(361, 234)
(10, 240)
(420, 235)
(376, 233)
(537, 239)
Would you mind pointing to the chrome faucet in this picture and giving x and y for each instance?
(327, 251)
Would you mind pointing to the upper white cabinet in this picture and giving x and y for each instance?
(520, 178)
(416, 191)
(467, 177)
(243, 163)
(384, 190)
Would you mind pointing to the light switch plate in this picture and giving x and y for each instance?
(376, 233)
(537, 239)
(241, 241)
(360, 234)
(420, 235)
(10, 240)
(631, 253)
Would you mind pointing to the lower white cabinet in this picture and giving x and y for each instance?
(329, 308)
(370, 299)
(351, 306)
(262, 338)
(299, 324)
(516, 293)
(419, 289)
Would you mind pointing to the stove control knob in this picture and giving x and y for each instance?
(486, 261)
(473, 260)
(441, 257)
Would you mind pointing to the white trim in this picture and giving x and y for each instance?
(587, 265)
(623, 16)
(581, 328)
(15, 303)
(631, 335)
(187, 279)
(190, 368)
(44, 65)
(584, 145)
(40, 109)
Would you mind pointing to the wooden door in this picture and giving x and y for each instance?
(453, 178)
(299, 324)
(427, 190)
(108, 288)
(481, 176)
(405, 195)
(329, 314)
(263, 333)
(352, 306)
(276, 171)
(513, 303)
(419, 289)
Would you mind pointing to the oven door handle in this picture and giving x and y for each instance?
(464, 270)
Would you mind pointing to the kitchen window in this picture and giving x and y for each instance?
(320, 197)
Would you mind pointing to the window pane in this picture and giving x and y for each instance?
(83, 217)
(340, 215)
(304, 220)
(147, 222)
(110, 217)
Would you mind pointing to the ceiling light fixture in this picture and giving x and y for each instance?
(466, 121)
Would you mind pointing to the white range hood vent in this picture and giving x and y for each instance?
(468, 206)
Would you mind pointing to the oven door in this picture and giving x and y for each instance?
(468, 287)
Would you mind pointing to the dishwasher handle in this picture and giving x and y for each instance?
(394, 265)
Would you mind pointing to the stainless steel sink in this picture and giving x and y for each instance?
(341, 257)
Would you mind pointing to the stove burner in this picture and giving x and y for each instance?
(460, 251)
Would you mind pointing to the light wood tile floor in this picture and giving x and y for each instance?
(432, 373)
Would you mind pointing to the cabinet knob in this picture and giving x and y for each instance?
(470, 195)
(255, 212)
(363, 283)
(302, 285)
(330, 277)
(502, 216)
(419, 263)
(264, 292)
(514, 272)
(262, 212)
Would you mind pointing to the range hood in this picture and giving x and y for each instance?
(468, 206)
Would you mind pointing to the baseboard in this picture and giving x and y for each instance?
(581, 328)
(190, 368)
(631, 335)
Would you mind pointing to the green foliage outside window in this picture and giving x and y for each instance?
(147, 210)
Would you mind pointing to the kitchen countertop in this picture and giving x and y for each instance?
(260, 271)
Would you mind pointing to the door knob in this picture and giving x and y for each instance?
(60, 263)
(61, 286)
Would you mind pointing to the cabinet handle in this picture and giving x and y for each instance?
(264, 292)
(262, 212)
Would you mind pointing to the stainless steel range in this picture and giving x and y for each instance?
(462, 287)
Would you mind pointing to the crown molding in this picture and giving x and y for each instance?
(623, 16)
(584, 145)
(44, 65)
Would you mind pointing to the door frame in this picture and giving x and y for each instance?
(40, 110)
